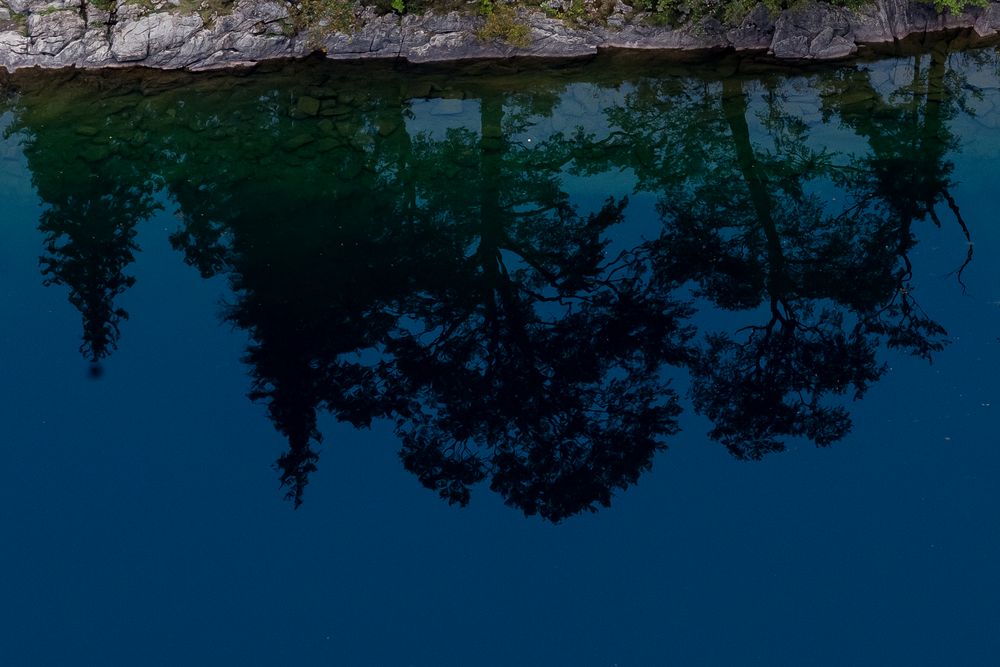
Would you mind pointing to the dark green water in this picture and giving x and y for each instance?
(595, 294)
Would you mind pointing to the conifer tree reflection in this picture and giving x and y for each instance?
(89, 244)
(317, 259)
(309, 310)
(95, 193)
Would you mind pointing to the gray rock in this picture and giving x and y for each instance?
(158, 39)
(558, 5)
(754, 32)
(906, 18)
(791, 47)
(13, 50)
(50, 33)
(41, 6)
(620, 15)
(378, 36)
(429, 37)
(988, 23)
(159, 34)
(554, 38)
(60, 33)
(813, 31)
(828, 45)
(616, 21)
(638, 36)
(870, 24)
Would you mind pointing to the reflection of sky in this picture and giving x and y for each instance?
(142, 525)
(434, 117)
(578, 108)
(15, 180)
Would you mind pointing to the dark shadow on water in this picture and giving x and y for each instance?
(407, 248)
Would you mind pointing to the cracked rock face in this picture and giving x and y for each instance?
(377, 37)
(756, 31)
(988, 23)
(51, 33)
(160, 34)
(820, 31)
(59, 33)
(40, 6)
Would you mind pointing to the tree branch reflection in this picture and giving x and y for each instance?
(445, 279)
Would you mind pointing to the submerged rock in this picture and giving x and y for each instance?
(298, 142)
(307, 106)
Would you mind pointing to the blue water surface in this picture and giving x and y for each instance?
(143, 521)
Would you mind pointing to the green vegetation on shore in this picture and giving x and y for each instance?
(502, 21)
(499, 21)
(503, 24)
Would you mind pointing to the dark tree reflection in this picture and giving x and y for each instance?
(772, 383)
(445, 282)
(540, 369)
(95, 190)
(89, 243)
(537, 360)
(745, 226)
(317, 262)
(904, 179)
(464, 310)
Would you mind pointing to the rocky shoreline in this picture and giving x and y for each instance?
(168, 34)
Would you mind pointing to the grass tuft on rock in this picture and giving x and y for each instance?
(502, 24)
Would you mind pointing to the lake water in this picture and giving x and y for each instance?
(624, 363)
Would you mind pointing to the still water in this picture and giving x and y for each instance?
(616, 364)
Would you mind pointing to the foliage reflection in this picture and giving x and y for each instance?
(413, 250)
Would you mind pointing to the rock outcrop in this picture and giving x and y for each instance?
(59, 33)
(170, 35)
